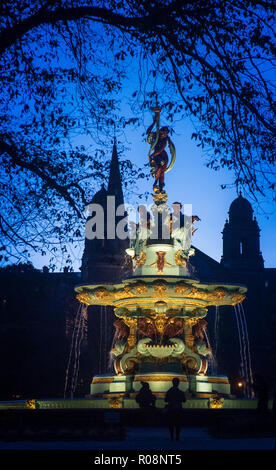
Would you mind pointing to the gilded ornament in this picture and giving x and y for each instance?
(160, 322)
(142, 258)
(30, 404)
(216, 402)
(200, 294)
(181, 288)
(102, 380)
(131, 322)
(160, 288)
(159, 197)
(140, 287)
(131, 365)
(189, 363)
(128, 291)
(102, 293)
(119, 294)
(84, 298)
(115, 402)
(123, 293)
(157, 378)
(237, 297)
(190, 321)
(179, 259)
(219, 293)
(160, 262)
(194, 293)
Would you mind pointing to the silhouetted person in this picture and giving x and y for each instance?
(146, 401)
(175, 397)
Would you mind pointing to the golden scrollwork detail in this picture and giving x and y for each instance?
(123, 293)
(219, 293)
(142, 258)
(119, 294)
(160, 322)
(181, 288)
(128, 291)
(160, 288)
(237, 298)
(194, 293)
(140, 287)
(160, 197)
(131, 322)
(179, 259)
(200, 294)
(190, 321)
(216, 402)
(84, 298)
(30, 404)
(115, 402)
(102, 293)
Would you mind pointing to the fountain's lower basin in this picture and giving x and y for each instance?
(126, 403)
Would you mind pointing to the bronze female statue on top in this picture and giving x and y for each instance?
(158, 156)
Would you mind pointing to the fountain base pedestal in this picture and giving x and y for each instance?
(196, 385)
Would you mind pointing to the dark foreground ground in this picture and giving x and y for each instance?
(98, 436)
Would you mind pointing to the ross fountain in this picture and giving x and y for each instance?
(160, 315)
(160, 308)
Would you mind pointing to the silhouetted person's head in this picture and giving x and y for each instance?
(175, 382)
(145, 384)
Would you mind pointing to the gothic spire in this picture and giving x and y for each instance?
(115, 181)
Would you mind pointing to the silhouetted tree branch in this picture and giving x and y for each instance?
(65, 68)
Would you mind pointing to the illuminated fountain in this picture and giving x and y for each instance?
(161, 308)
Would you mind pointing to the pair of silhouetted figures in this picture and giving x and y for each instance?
(174, 399)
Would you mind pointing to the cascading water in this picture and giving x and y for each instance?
(101, 340)
(74, 354)
(246, 367)
(77, 356)
(211, 358)
(104, 349)
(216, 331)
(249, 362)
(111, 355)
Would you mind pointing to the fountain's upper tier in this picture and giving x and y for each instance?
(176, 292)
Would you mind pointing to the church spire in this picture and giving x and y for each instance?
(115, 181)
(103, 259)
